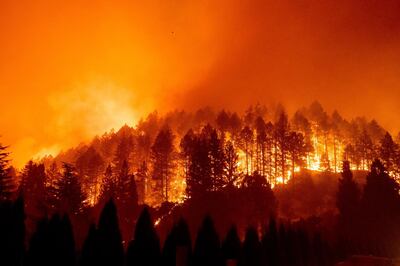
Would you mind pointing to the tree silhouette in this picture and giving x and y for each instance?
(69, 192)
(90, 166)
(381, 212)
(12, 232)
(7, 183)
(207, 246)
(246, 142)
(231, 161)
(270, 244)
(52, 243)
(199, 177)
(252, 255)
(347, 202)
(388, 151)
(217, 160)
(144, 249)
(231, 246)
(163, 158)
(259, 197)
(111, 251)
(297, 150)
(177, 246)
(33, 188)
(90, 255)
(281, 151)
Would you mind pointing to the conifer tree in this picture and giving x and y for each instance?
(7, 182)
(144, 249)
(70, 196)
(163, 157)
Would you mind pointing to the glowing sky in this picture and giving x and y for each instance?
(73, 69)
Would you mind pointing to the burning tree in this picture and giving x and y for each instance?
(163, 159)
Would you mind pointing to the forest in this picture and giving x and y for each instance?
(209, 188)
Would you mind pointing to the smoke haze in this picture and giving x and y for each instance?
(74, 69)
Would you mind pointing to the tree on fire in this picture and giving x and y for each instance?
(163, 159)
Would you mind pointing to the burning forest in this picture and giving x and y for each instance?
(199, 133)
(241, 169)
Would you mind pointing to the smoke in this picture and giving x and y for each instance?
(341, 53)
(77, 115)
(68, 75)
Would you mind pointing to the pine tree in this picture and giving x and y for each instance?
(7, 182)
(388, 152)
(380, 212)
(110, 250)
(246, 142)
(217, 160)
(177, 246)
(109, 186)
(231, 246)
(281, 152)
(70, 196)
(33, 189)
(163, 157)
(297, 150)
(270, 244)
(199, 177)
(144, 249)
(230, 165)
(207, 246)
(90, 166)
(347, 202)
(142, 182)
(252, 255)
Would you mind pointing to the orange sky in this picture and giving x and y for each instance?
(73, 69)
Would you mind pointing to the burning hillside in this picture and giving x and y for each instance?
(170, 155)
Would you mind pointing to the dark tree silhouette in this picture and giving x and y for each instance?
(33, 189)
(388, 152)
(90, 166)
(297, 150)
(199, 177)
(231, 161)
(348, 203)
(246, 142)
(52, 243)
(12, 232)
(70, 196)
(281, 139)
(217, 160)
(380, 212)
(90, 255)
(252, 255)
(144, 249)
(270, 244)
(110, 248)
(231, 246)
(163, 158)
(124, 148)
(109, 186)
(7, 182)
(207, 246)
(260, 199)
(177, 247)
(222, 121)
